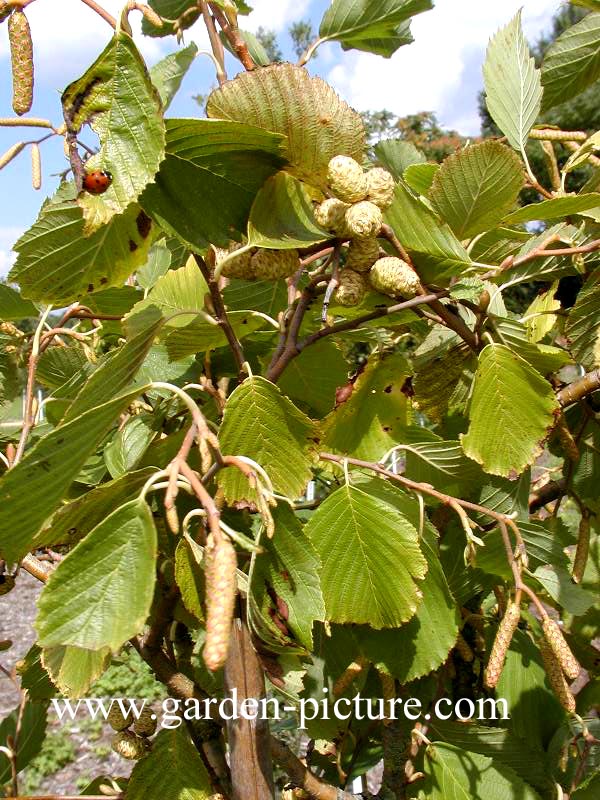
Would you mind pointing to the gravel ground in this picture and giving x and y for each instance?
(17, 613)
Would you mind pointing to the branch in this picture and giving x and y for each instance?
(452, 321)
(546, 494)
(215, 43)
(232, 33)
(102, 12)
(303, 777)
(221, 315)
(542, 252)
(579, 389)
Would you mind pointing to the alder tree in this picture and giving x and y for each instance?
(281, 433)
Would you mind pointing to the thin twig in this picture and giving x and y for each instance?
(579, 389)
(102, 12)
(215, 42)
(232, 33)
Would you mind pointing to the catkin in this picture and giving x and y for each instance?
(221, 589)
(561, 649)
(566, 439)
(11, 153)
(21, 53)
(151, 15)
(345, 680)
(556, 678)
(583, 548)
(36, 166)
(504, 636)
(172, 518)
(463, 648)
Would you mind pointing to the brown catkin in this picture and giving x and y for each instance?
(11, 153)
(5, 10)
(221, 589)
(463, 648)
(345, 680)
(504, 636)
(583, 548)
(21, 53)
(36, 166)
(556, 640)
(556, 678)
(566, 439)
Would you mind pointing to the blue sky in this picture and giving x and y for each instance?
(440, 72)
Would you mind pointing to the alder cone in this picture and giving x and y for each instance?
(504, 636)
(362, 254)
(128, 745)
(238, 267)
(381, 187)
(221, 590)
(394, 277)
(146, 724)
(562, 651)
(363, 220)
(346, 179)
(351, 289)
(331, 215)
(270, 265)
(117, 720)
(21, 54)
(556, 678)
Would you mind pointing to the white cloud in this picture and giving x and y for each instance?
(441, 70)
(274, 14)
(8, 236)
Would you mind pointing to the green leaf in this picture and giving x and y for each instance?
(377, 414)
(200, 336)
(282, 216)
(456, 774)
(100, 594)
(170, 71)
(128, 446)
(499, 744)
(157, 265)
(589, 789)
(584, 322)
(437, 253)
(475, 187)
(269, 297)
(544, 358)
(32, 732)
(442, 464)
(396, 155)
(180, 290)
(57, 264)
(47, 470)
(171, 9)
(118, 370)
(57, 365)
(444, 375)
(583, 152)
(422, 644)
(285, 99)
(116, 98)
(535, 713)
(73, 670)
(289, 568)
(558, 582)
(13, 306)
(76, 519)
(553, 209)
(311, 379)
(173, 769)
(513, 85)
(189, 575)
(261, 424)
(209, 178)
(512, 410)
(547, 268)
(572, 62)
(379, 28)
(34, 677)
(371, 559)
(419, 177)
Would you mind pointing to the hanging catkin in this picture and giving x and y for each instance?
(583, 548)
(556, 640)
(36, 166)
(221, 589)
(21, 53)
(504, 636)
(11, 153)
(556, 678)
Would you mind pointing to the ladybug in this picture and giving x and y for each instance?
(97, 182)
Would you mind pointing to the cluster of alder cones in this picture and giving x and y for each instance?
(353, 213)
(131, 739)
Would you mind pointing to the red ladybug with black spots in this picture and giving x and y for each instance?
(97, 181)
